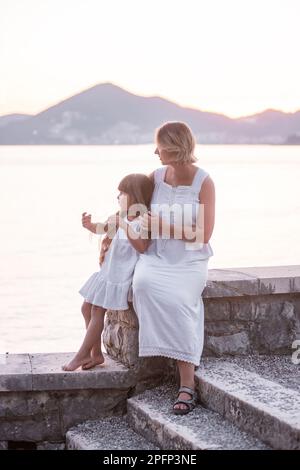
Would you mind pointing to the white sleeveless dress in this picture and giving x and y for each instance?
(169, 279)
(110, 287)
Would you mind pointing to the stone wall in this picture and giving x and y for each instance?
(39, 402)
(247, 311)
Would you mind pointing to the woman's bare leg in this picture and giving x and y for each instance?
(187, 372)
(96, 353)
(93, 332)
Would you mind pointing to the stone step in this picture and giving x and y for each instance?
(150, 415)
(264, 407)
(112, 433)
(39, 401)
(43, 372)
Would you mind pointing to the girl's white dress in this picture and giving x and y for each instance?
(110, 287)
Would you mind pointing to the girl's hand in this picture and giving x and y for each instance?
(86, 221)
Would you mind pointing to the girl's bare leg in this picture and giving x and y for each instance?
(96, 353)
(94, 329)
(86, 310)
(187, 372)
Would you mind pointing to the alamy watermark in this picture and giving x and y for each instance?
(177, 221)
(296, 354)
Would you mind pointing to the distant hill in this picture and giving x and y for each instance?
(12, 118)
(107, 114)
(293, 139)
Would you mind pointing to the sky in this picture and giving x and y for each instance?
(235, 57)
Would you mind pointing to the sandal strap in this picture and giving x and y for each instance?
(189, 403)
(182, 400)
(187, 390)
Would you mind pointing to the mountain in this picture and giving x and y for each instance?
(108, 114)
(12, 118)
(293, 139)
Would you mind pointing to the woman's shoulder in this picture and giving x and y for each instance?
(156, 175)
(207, 185)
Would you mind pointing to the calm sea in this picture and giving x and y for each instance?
(45, 254)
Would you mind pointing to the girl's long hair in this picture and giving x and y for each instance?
(140, 188)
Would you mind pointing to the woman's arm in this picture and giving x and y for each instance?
(207, 196)
(199, 232)
(159, 226)
(206, 215)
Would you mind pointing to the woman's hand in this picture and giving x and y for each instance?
(151, 223)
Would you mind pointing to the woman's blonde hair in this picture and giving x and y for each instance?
(177, 138)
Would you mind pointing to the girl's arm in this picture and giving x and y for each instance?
(99, 227)
(139, 244)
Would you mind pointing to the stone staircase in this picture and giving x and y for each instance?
(249, 402)
(247, 384)
(239, 408)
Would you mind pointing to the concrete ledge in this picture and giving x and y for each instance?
(40, 372)
(251, 310)
(39, 401)
(261, 280)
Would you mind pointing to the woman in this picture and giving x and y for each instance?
(171, 274)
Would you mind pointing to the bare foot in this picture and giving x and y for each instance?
(94, 361)
(75, 363)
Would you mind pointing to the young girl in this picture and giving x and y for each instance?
(108, 288)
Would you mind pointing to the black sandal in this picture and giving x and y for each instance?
(191, 403)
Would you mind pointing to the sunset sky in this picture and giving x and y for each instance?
(235, 57)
